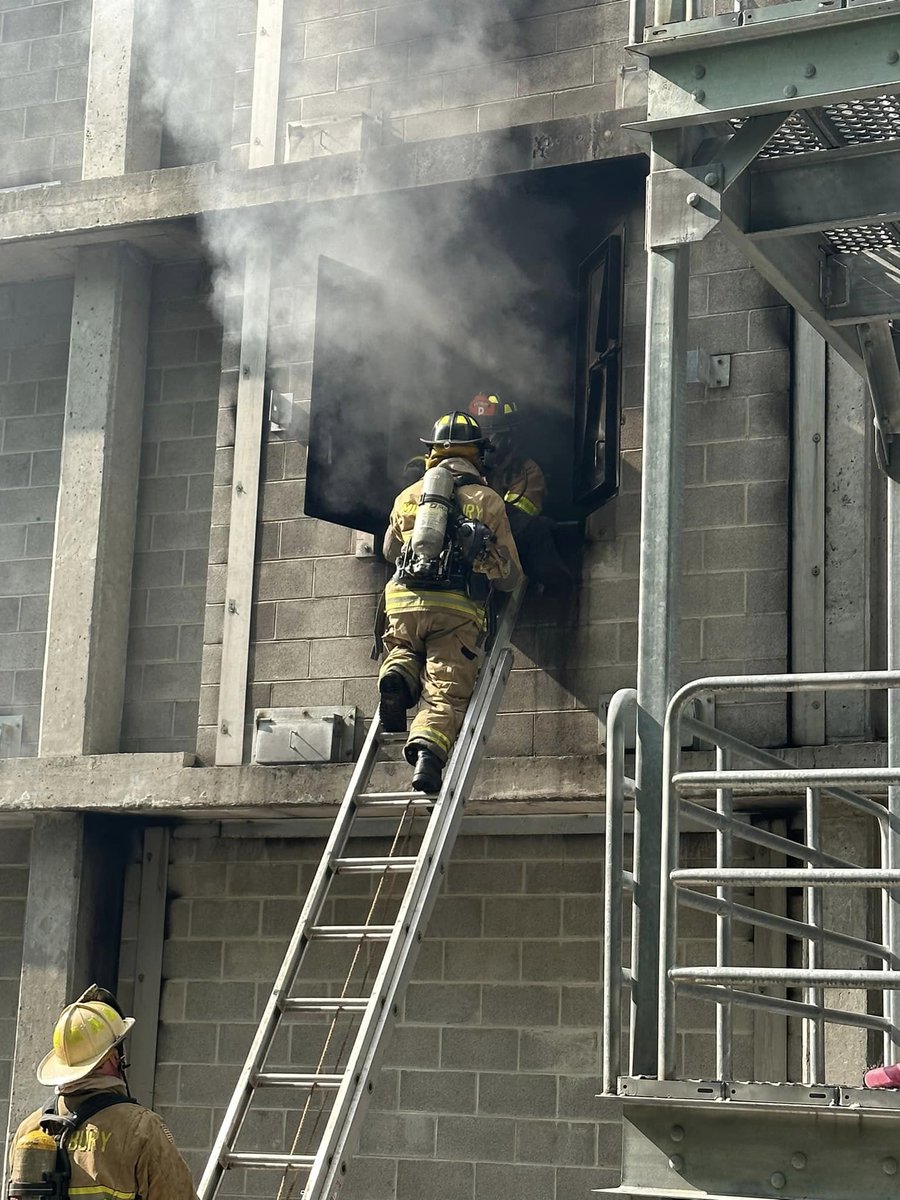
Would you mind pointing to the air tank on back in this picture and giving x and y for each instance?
(430, 525)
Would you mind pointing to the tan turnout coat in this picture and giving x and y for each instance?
(123, 1153)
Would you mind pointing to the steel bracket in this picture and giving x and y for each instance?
(683, 207)
(712, 370)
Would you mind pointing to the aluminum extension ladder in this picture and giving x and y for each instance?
(320, 1171)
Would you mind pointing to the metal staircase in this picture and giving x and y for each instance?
(353, 1026)
(795, 1134)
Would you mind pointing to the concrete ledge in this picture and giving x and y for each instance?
(90, 209)
(143, 784)
(169, 783)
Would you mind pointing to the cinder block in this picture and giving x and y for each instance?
(561, 961)
(479, 1049)
(206, 1084)
(506, 114)
(22, 24)
(562, 877)
(449, 123)
(448, 1179)
(484, 878)
(65, 116)
(756, 460)
(479, 85)
(409, 1135)
(373, 65)
(182, 1042)
(523, 916)
(338, 34)
(308, 538)
(769, 328)
(417, 1046)
(581, 1005)
(768, 504)
(246, 879)
(348, 576)
(271, 661)
(523, 1182)
(219, 1000)
(760, 371)
(486, 1139)
(569, 732)
(192, 1128)
(767, 591)
(561, 1051)
(517, 1095)
(180, 531)
(756, 547)
(482, 960)
(12, 542)
(371, 1179)
(342, 657)
(224, 918)
(405, 97)
(753, 636)
(447, 1003)
(520, 1004)
(21, 651)
(770, 415)
(734, 291)
(438, 1091)
(555, 72)
(176, 605)
(14, 470)
(32, 433)
(588, 26)
(311, 618)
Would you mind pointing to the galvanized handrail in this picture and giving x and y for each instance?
(617, 881)
(718, 983)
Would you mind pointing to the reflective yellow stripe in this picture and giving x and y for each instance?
(522, 502)
(97, 1189)
(433, 735)
(455, 602)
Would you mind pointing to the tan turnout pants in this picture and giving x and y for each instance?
(438, 654)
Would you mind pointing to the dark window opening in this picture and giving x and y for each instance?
(598, 386)
(384, 370)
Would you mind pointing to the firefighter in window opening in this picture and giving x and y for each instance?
(451, 541)
(520, 481)
(92, 1139)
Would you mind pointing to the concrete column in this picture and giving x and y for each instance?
(118, 136)
(90, 588)
(850, 550)
(73, 919)
(808, 529)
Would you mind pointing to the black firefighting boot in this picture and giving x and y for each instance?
(394, 701)
(428, 768)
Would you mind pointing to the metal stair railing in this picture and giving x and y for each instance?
(771, 774)
(767, 773)
(318, 1173)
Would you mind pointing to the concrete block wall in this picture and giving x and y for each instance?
(174, 506)
(35, 321)
(315, 599)
(434, 70)
(43, 85)
(489, 1085)
(14, 863)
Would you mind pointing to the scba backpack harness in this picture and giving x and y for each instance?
(444, 544)
(41, 1166)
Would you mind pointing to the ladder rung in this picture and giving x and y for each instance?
(391, 739)
(244, 1158)
(368, 866)
(350, 933)
(297, 1079)
(325, 1004)
(400, 799)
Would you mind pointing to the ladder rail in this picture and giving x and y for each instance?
(341, 1134)
(402, 940)
(262, 1040)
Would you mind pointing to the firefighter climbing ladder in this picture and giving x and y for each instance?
(319, 1173)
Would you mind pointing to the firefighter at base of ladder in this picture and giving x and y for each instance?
(451, 541)
(520, 481)
(92, 1140)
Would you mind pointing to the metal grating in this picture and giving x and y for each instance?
(863, 121)
(863, 237)
(796, 136)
